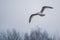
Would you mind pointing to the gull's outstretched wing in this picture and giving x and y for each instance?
(44, 7)
(32, 17)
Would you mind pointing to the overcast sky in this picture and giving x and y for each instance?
(16, 13)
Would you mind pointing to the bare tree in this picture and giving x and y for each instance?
(38, 35)
(13, 36)
(26, 36)
(34, 35)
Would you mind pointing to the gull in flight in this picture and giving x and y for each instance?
(40, 13)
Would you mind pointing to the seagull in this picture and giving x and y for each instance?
(40, 13)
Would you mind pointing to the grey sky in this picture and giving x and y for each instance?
(16, 13)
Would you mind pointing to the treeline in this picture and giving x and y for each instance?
(34, 35)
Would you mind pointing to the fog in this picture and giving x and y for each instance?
(16, 13)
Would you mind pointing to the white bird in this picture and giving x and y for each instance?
(40, 13)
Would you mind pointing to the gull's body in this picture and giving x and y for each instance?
(39, 13)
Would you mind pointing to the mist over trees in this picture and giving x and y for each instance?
(34, 35)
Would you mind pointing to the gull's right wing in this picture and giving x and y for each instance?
(44, 7)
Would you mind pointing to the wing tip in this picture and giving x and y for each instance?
(47, 6)
(29, 21)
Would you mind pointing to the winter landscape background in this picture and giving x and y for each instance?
(14, 14)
